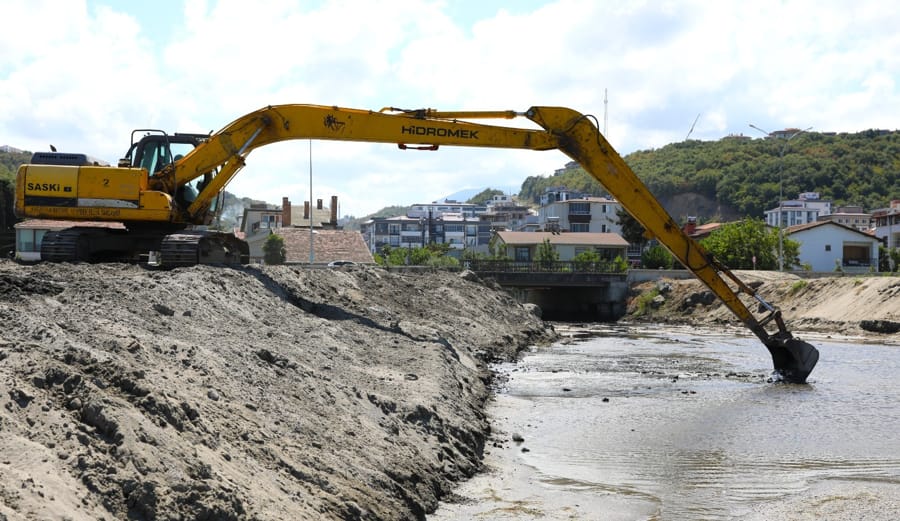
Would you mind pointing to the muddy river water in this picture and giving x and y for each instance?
(658, 424)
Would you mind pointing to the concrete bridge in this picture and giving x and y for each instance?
(563, 290)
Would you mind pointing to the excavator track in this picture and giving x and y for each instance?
(203, 247)
(63, 246)
(179, 249)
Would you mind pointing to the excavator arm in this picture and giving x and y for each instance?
(564, 129)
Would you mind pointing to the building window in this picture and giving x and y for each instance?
(580, 227)
(523, 254)
(579, 208)
(394, 229)
(827, 247)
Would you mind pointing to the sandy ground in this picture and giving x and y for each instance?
(257, 393)
(853, 306)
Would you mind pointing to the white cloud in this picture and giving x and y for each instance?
(83, 74)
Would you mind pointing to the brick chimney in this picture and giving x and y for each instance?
(318, 204)
(333, 209)
(285, 212)
(690, 226)
(306, 210)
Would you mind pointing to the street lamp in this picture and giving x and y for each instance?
(781, 189)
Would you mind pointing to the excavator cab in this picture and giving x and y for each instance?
(157, 150)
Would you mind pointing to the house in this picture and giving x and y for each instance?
(30, 233)
(699, 231)
(523, 246)
(260, 220)
(555, 194)
(458, 230)
(505, 213)
(327, 246)
(827, 245)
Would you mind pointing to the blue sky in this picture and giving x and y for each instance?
(82, 74)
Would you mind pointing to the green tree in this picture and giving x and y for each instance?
(736, 244)
(632, 230)
(888, 259)
(546, 253)
(9, 165)
(586, 259)
(430, 255)
(497, 249)
(656, 257)
(484, 196)
(273, 249)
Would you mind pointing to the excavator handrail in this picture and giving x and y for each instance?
(576, 135)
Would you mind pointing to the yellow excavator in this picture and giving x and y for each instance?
(167, 187)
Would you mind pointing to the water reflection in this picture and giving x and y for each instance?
(678, 424)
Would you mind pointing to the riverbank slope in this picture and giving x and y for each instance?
(261, 393)
(863, 306)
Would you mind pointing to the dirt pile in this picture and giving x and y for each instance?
(864, 306)
(254, 393)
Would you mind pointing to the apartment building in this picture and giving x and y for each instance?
(807, 208)
(584, 215)
(852, 216)
(887, 224)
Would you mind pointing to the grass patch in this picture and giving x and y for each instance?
(797, 286)
(643, 302)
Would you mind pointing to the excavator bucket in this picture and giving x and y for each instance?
(794, 359)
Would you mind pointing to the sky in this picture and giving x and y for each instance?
(82, 74)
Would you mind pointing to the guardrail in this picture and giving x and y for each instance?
(508, 266)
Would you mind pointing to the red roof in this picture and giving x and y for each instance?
(48, 224)
(328, 245)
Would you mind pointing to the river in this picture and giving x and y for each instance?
(620, 423)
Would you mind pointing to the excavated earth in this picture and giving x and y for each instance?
(258, 393)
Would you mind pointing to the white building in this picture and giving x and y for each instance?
(807, 208)
(852, 216)
(826, 245)
(887, 224)
(587, 214)
(437, 209)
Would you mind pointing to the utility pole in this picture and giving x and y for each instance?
(781, 190)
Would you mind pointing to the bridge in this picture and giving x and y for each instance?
(563, 290)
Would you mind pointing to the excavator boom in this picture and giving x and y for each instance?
(220, 157)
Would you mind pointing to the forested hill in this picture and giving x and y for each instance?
(742, 174)
(10, 159)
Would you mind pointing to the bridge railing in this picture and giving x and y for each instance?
(509, 266)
